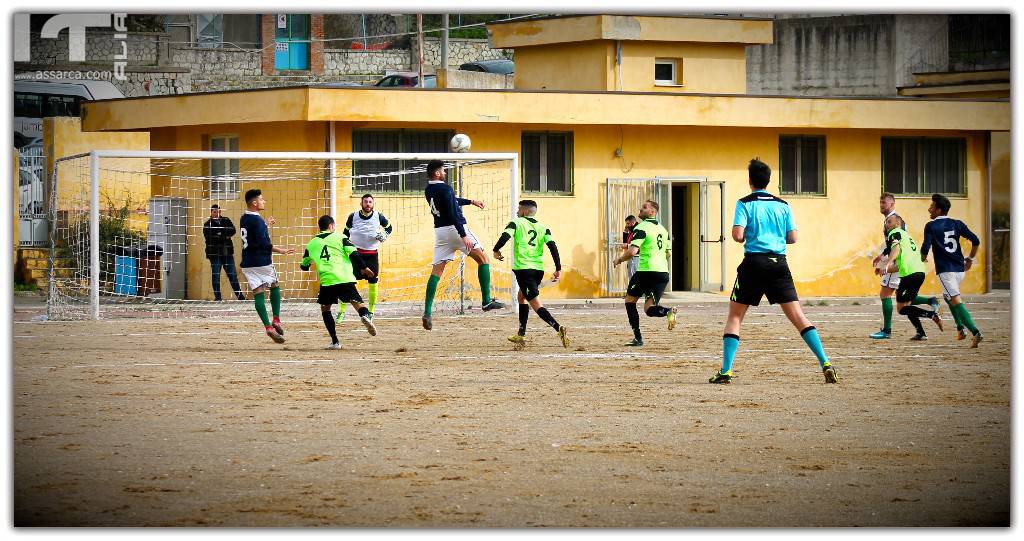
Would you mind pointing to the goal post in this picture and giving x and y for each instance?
(127, 227)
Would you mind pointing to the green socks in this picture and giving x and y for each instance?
(887, 314)
(965, 317)
(371, 294)
(920, 299)
(275, 301)
(261, 307)
(484, 273)
(956, 315)
(428, 304)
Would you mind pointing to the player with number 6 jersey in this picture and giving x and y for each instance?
(651, 241)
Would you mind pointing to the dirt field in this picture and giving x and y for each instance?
(186, 423)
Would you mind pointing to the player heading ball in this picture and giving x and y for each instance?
(450, 234)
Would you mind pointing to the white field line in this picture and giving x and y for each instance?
(494, 357)
(360, 329)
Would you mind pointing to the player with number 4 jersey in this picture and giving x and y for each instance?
(943, 234)
(451, 234)
(337, 261)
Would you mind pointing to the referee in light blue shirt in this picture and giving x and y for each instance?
(764, 224)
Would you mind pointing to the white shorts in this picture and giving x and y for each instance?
(950, 282)
(891, 280)
(260, 276)
(447, 241)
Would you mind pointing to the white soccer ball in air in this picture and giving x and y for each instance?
(460, 143)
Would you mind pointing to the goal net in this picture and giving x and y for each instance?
(127, 229)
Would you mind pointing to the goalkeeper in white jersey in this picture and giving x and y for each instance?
(366, 229)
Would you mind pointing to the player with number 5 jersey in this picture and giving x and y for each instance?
(944, 234)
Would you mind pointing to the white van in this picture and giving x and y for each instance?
(37, 99)
(33, 101)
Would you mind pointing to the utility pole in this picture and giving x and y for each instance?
(444, 41)
(419, 38)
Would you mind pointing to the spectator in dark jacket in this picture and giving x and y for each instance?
(220, 251)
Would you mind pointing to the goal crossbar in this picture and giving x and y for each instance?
(96, 155)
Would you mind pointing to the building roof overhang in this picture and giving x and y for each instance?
(464, 106)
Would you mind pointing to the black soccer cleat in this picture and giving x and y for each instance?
(720, 378)
(493, 305)
(636, 342)
(919, 337)
(428, 323)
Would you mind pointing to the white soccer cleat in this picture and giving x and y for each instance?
(368, 323)
(336, 345)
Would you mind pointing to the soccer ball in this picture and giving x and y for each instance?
(460, 143)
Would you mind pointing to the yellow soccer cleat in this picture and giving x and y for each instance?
(518, 342)
(563, 335)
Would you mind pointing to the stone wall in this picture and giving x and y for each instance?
(460, 51)
(100, 48)
(174, 68)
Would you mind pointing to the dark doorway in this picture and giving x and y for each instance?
(680, 237)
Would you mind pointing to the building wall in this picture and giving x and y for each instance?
(706, 67)
(63, 136)
(573, 66)
(838, 233)
(847, 56)
(288, 200)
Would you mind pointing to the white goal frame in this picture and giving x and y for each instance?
(96, 155)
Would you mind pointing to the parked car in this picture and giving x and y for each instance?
(501, 66)
(407, 78)
(338, 84)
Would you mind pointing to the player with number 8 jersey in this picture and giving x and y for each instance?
(257, 264)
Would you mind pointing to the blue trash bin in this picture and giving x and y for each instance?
(126, 274)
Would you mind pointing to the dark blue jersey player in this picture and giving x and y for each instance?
(257, 265)
(450, 234)
(942, 237)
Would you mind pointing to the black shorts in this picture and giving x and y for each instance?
(372, 263)
(648, 283)
(343, 293)
(529, 282)
(763, 275)
(910, 286)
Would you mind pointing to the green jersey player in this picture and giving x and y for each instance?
(336, 258)
(529, 237)
(650, 240)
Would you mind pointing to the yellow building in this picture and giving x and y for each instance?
(614, 97)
